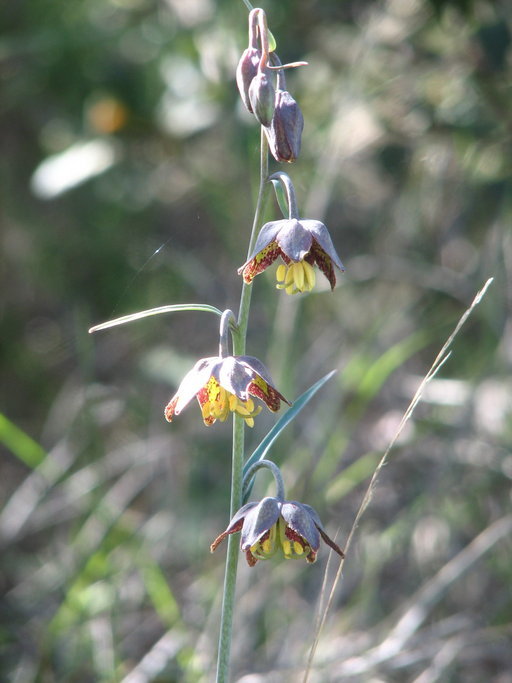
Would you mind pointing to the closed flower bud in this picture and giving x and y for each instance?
(245, 72)
(262, 95)
(285, 130)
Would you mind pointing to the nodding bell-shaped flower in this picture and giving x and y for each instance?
(246, 71)
(285, 130)
(249, 61)
(262, 96)
(223, 385)
(301, 244)
(275, 524)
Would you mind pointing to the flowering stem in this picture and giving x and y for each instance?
(245, 299)
(239, 334)
(268, 464)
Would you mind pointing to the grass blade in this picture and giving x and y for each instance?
(20, 444)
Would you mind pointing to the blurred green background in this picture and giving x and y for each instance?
(128, 175)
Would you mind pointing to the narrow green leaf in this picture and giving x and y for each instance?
(262, 449)
(281, 197)
(20, 444)
(160, 593)
(174, 308)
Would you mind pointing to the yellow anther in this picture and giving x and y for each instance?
(287, 548)
(309, 272)
(267, 546)
(298, 276)
(289, 277)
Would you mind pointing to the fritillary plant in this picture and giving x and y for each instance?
(233, 385)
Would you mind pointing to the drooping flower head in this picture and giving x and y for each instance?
(249, 61)
(285, 130)
(275, 109)
(300, 243)
(275, 524)
(223, 385)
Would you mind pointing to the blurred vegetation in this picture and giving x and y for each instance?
(127, 173)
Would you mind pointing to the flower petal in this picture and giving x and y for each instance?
(260, 262)
(324, 263)
(234, 376)
(330, 542)
(322, 236)
(223, 535)
(256, 367)
(316, 519)
(193, 381)
(266, 235)
(259, 520)
(299, 519)
(268, 394)
(294, 239)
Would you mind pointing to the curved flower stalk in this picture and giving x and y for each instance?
(274, 524)
(225, 385)
(300, 243)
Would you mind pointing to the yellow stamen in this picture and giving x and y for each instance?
(296, 277)
(298, 548)
(221, 402)
(287, 548)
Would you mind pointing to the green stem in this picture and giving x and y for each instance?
(276, 472)
(245, 299)
(239, 337)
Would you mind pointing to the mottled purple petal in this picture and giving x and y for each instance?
(299, 518)
(240, 515)
(266, 235)
(295, 241)
(259, 520)
(322, 236)
(256, 367)
(233, 376)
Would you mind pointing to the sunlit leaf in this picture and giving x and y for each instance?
(173, 308)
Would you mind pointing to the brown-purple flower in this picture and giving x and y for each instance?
(301, 243)
(275, 524)
(223, 385)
